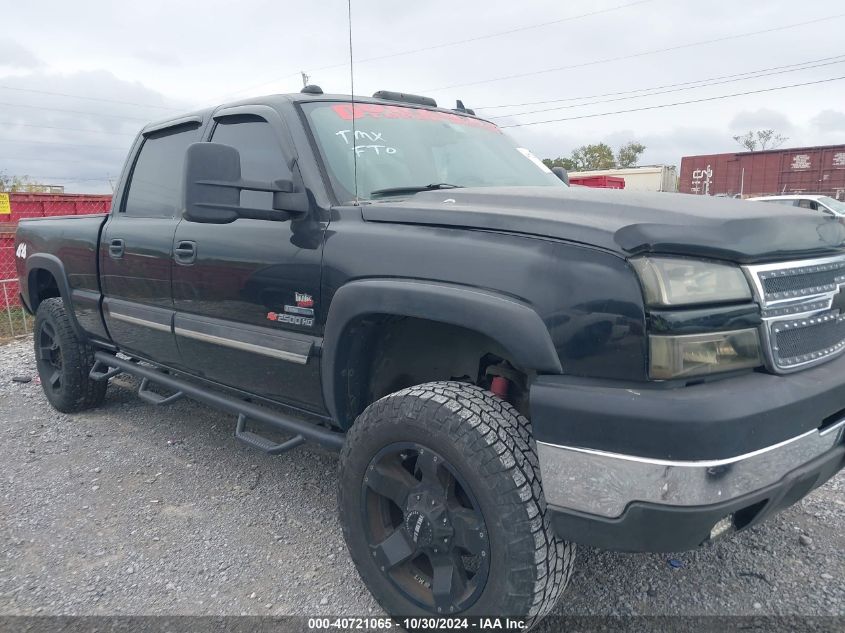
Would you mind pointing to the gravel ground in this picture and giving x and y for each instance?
(131, 509)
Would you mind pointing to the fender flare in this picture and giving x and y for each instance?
(515, 325)
(53, 265)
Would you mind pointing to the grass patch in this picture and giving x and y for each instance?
(14, 323)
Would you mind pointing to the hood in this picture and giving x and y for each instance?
(628, 223)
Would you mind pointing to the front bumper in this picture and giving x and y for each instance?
(653, 527)
(605, 483)
(655, 468)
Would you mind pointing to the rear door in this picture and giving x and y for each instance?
(136, 248)
(246, 294)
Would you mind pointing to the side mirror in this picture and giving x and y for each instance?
(561, 173)
(212, 186)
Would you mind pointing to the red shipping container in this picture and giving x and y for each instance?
(599, 182)
(818, 170)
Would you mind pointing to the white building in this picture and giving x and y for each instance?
(648, 178)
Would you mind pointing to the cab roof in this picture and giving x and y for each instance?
(203, 114)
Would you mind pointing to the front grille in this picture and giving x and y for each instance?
(806, 340)
(801, 325)
(800, 283)
(802, 280)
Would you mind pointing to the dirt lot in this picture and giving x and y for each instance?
(131, 509)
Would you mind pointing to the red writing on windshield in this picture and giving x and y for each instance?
(376, 111)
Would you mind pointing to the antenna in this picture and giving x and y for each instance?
(352, 95)
(305, 78)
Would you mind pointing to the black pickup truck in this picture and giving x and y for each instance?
(507, 365)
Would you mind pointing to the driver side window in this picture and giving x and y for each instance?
(262, 158)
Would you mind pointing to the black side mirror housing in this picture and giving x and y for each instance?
(212, 186)
(561, 173)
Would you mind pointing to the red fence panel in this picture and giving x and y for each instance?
(36, 205)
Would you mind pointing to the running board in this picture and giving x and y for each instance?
(101, 371)
(262, 443)
(144, 393)
(108, 365)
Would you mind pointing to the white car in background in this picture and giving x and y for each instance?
(813, 202)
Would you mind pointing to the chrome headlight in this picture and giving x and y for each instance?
(674, 281)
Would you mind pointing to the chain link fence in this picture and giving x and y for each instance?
(14, 321)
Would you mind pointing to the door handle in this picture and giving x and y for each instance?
(185, 252)
(117, 248)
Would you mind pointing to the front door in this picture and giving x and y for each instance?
(136, 248)
(246, 294)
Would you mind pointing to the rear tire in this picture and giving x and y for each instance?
(64, 360)
(421, 465)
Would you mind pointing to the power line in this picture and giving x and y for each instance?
(24, 159)
(628, 92)
(469, 40)
(43, 179)
(96, 114)
(89, 98)
(28, 142)
(662, 92)
(655, 51)
(488, 36)
(678, 103)
(70, 129)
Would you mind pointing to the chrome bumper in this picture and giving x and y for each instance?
(601, 483)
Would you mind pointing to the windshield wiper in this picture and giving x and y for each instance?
(398, 191)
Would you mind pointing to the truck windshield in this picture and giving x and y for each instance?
(402, 150)
(833, 204)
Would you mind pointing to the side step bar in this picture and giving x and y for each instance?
(108, 365)
(262, 443)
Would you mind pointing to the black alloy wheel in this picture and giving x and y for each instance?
(425, 529)
(49, 357)
(64, 360)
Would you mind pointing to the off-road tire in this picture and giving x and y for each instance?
(67, 386)
(491, 445)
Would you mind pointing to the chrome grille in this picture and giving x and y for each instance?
(800, 279)
(797, 342)
(819, 281)
(800, 327)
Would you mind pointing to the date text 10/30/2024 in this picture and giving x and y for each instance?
(417, 624)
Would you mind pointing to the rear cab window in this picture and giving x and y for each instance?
(155, 184)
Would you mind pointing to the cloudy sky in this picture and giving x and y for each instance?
(77, 80)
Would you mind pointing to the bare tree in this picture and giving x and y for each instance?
(761, 139)
(21, 184)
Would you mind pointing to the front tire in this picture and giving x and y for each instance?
(64, 360)
(442, 472)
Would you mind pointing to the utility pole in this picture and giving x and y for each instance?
(305, 78)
